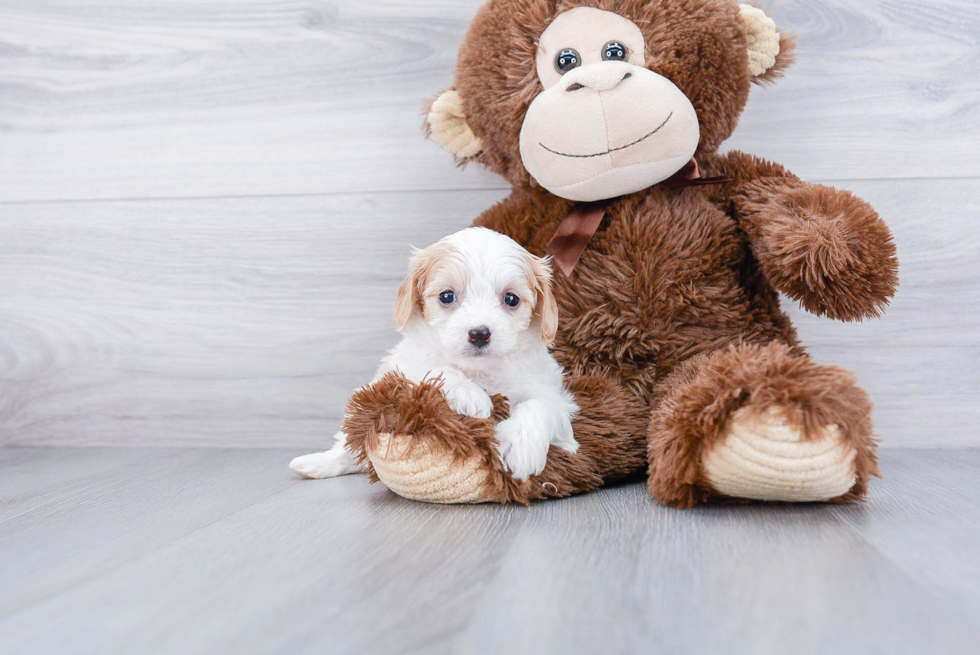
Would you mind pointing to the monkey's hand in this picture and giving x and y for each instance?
(823, 247)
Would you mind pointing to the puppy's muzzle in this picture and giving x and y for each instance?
(480, 336)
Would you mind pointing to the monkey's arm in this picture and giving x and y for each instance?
(823, 247)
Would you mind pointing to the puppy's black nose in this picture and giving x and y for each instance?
(480, 336)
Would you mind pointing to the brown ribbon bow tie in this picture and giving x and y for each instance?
(577, 229)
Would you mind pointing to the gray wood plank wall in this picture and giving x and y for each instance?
(206, 206)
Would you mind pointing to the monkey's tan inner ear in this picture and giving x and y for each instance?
(448, 124)
(762, 38)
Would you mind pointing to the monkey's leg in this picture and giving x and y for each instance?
(760, 423)
(420, 449)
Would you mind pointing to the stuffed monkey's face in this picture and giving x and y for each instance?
(604, 125)
(592, 104)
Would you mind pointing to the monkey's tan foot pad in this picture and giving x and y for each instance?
(761, 456)
(416, 471)
(409, 439)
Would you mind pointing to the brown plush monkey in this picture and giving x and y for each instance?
(606, 116)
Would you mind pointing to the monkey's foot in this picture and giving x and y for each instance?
(760, 456)
(417, 471)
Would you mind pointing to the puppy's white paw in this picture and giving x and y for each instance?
(467, 398)
(329, 464)
(522, 448)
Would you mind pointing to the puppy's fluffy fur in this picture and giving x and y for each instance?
(457, 292)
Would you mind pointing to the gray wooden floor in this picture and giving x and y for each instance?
(205, 209)
(223, 550)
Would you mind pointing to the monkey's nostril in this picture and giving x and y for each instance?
(574, 87)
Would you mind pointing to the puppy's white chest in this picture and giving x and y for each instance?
(492, 382)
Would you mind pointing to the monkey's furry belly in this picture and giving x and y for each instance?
(658, 285)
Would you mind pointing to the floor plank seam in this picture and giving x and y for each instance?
(438, 190)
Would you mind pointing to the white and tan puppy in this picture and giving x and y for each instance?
(476, 310)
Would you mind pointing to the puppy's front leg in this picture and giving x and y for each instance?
(328, 464)
(526, 436)
(464, 396)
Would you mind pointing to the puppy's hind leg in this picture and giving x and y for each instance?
(328, 464)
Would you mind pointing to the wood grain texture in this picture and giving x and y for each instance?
(206, 206)
(131, 501)
(225, 551)
(921, 361)
(248, 322)
(243, 97)
(228, 321)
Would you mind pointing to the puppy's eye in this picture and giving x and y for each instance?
(511, 300)
(566, 60)
(447, 297)
(614, 51)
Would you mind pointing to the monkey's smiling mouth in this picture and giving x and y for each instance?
(599, 154)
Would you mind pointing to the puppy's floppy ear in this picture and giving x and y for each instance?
(546, 308)
(446, 122)
(770, 53)
(408, 300)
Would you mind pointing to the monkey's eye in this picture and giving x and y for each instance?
(614, 51)
(566, 60)
(511, 300)
(447, 297)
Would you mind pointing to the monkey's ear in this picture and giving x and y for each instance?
(769, 51)
(447, 123)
